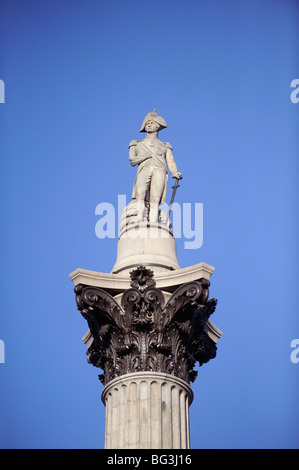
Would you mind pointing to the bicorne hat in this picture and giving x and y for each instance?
(153, 116)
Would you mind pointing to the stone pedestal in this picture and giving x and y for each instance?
(147, 410)
(146, 244)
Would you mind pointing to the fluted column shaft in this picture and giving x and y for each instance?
(147, 410)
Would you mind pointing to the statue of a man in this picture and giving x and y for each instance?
(152, 157)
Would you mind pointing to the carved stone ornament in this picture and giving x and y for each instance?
(145, 333)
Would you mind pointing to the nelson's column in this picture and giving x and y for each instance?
(148, 319)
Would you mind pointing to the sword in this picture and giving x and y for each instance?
(175, 187)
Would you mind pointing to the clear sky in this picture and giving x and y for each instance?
(79, 78)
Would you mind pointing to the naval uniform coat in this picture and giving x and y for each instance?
(155, 153)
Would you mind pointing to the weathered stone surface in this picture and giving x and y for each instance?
(153, 157)
(147, 410)
(147, 244)
(165, 279)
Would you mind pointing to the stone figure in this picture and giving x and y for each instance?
(152, 157)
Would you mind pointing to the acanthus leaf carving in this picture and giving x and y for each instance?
(144, 333)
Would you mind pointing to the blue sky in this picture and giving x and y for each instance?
(79, 78)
